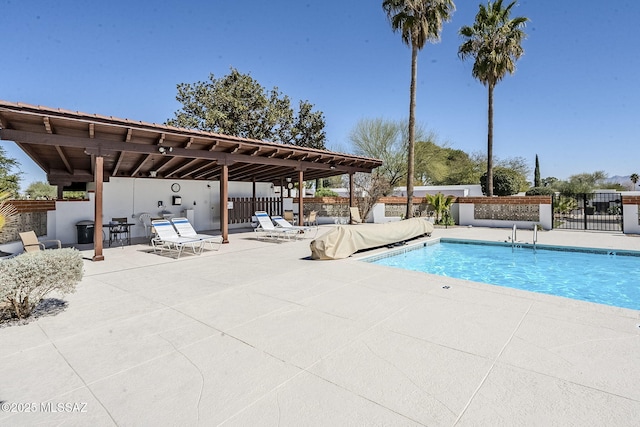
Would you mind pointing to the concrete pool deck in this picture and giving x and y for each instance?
(257, 334)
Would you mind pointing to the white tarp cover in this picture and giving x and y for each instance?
(345, 240)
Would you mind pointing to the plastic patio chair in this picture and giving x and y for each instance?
(145, 220)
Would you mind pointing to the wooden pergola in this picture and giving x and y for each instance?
(74, 147)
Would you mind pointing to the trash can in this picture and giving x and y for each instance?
(85, 231)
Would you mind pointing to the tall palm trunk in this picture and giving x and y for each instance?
(490, 143)
(412, 130)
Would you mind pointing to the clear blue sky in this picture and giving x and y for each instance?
(574, 99)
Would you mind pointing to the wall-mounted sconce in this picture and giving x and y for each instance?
(160, 204)
(165, 150)
(332, 166)
(153, 174)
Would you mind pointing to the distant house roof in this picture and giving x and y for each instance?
(63, 143)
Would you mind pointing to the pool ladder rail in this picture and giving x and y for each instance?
(514, 236)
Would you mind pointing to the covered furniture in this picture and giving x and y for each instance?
(32, 244)
(345, 240)
(185, 229)
(168, 238)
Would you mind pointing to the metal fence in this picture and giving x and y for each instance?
(588, 211)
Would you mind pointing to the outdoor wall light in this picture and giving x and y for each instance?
(153, 174)
(164, 150)
(332, 166)
(160, 204)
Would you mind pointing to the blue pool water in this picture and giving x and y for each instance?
(604, 277)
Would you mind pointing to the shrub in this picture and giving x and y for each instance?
(26, 279)
(441, 205)
(540, 191)
(505, 182)
(325, 192)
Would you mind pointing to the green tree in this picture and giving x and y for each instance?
(431, 162)
(581, 183)
(634, 178)
(506, 182)
(536, 174)
(41, 190)
(461, 169)
(418, 22)
(9, 180)
(494, 41)
(385, 140)
(549, 181)
(238, 105)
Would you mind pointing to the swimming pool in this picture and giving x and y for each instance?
(602, 276)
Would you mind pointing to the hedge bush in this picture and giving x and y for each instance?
(26, 279)
(540, 191)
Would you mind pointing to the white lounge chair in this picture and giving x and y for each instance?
(267, 229)
(302, 230)
(168, 238)
(185, 229)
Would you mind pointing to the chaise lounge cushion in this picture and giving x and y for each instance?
(344, 240)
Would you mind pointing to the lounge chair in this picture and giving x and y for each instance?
(302, 231)
(168, 238)
(32, 244)
(312, 219)
(355, 215)
(289, 216)
(267, 229)
(185, 229)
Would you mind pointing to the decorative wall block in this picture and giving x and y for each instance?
(507, 212)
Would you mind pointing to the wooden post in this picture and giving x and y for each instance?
(253, 203)
(97, 220)
(224, 198)
(300, 196)
(351, 195)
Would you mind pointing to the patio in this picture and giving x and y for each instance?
(256, 334)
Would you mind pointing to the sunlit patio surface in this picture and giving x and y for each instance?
(257, 334)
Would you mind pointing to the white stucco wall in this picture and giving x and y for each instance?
(130, 197)
(466, 217)
(630, 219)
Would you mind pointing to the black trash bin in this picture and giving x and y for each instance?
(85, 231)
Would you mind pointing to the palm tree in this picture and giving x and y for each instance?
(634, 178)
(440, 204)
(494, 41)
(418, 22)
